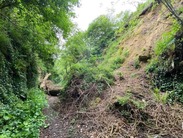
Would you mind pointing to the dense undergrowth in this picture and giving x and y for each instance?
(20, 108)
(22, 118)
(166, 66)
(28, 45)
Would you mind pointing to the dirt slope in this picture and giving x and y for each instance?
(105, 119)
(162, 120)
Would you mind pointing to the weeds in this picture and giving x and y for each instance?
(165, 67)
(25, 117)
(121, 76)
(136, 63)
(127, 99)
(167, 40)
(160, 97)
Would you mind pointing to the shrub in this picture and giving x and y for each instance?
(161, 97)
(23, 116)
(127, 99)
(165, 67)
(176, 94)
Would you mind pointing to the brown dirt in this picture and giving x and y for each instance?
(100, 120)
(58, 124)
(162, 120)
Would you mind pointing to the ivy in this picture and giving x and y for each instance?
(28, 44)
(25, 117)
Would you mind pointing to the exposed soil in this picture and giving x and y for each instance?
(59, 125)
(102, 119)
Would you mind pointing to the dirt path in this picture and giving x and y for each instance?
(58, 124)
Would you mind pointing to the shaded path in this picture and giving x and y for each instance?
(58, 125)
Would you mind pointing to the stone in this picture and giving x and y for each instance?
(144, 58)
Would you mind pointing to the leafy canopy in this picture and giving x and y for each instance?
(57, 12)
(99, 33)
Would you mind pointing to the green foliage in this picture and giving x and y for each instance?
(137, 63)
(161, 97)
(124, 100)
(76, 63)
(117, 62)
(89, 58)
(167, 40)
(95, 69)
(28, 38)
(75, 51)
(88, 74)
(180, 10)
(177, 93)
(139, 104)
(99, 34)
(121, 76)
(56, 13)
(114, 56)
(165, 67)
(22, 118)
(28, 44)
(142, 6)
(152, 66)
(125, 53)
(122, 19)
(164, 46)
(128, 99)
(126, 24)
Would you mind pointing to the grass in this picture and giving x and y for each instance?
(167, 40)
(161, 97)
(137, 63)
(133, 75)
(130, 19)
(128, 99)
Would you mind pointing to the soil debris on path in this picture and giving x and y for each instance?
(58, 125)
(141, 115)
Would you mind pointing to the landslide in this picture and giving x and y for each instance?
(129, 108)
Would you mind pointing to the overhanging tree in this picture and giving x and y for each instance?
(28, 41)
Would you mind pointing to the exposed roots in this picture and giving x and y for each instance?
(108, 119)
(160, 120)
